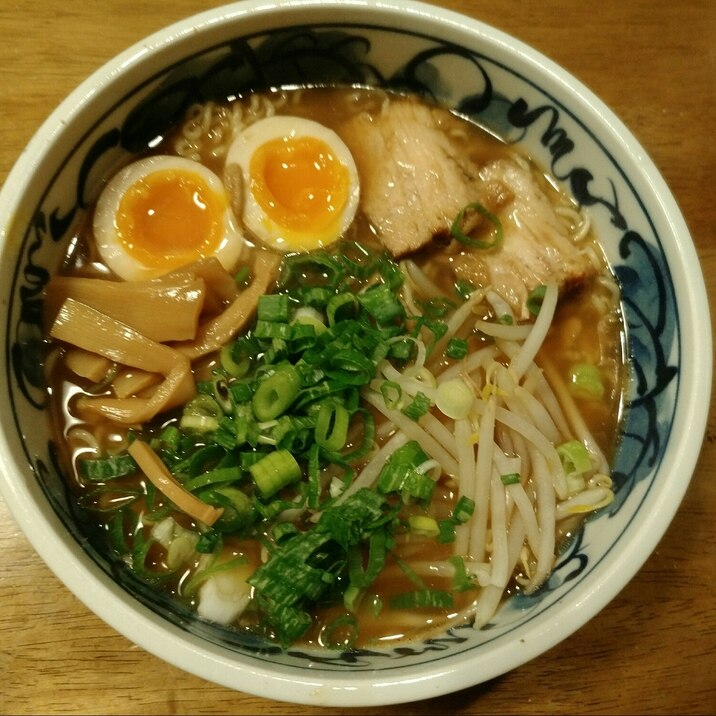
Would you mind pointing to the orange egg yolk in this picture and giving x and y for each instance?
(170, 218)
(299, 183)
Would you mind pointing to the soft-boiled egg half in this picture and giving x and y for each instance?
(300, 183)
(163, 212)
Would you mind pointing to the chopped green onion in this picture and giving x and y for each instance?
(303, 336)
(205, 458)
(352, 598)
(464, 289)
(402, 350)
(461, 581)
(278, 350)
(238, 507)
(456, 348)
(199, 423)
(314, 296)
(242, 276)
(457, 230)
(357, 259)
(381, 303)
(314, 269)
(446, 533)
(110, 499)
(585, 381)
(437, 328)
(419, 486)
(122, 522)
(169, 438)
(274, 471)
(463, 509)
(283, 429)
(366, 443)
(390, 272)
(350, 366)
(245, 428)
(406, 457)
(424, 525)
(575, 457)
(461, 513)
(513, 478)
(341, 307)
(332, 425)
(293, 433)
(203, 404)
(359, 576)
(140, 551)
(109, 468)
(271, 329)
(235, 368)
(303, 567)
(314, 478)
(399, 474)
(535, 298)
(273, 307)
(201, 414)
(221, 394)
(212, 477)
(422, 599)
(209, 541)
(283, 530)
(249, 458)
(241, 391)
(418, 407)
(410, 573)
(348, 521)
(341, 633)
(392, 393)
(436, 307)
(275, 393)
(192, 585)
(305, 315)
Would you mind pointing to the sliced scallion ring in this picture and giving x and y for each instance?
(496, 237)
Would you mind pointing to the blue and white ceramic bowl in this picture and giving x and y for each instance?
(502, 84)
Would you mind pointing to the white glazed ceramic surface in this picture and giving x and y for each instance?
(498, 82)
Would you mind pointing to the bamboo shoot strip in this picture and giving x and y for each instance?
(161, 311)
(87, 328)
(87, 364)
(156, 471)
(216, 332)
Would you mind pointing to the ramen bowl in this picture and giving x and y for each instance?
(506, 87)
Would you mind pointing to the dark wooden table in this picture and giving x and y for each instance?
(653, 649)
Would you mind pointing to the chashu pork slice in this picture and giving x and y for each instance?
(537, 245)
(415, 179)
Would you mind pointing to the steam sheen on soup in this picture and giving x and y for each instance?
(335, 366)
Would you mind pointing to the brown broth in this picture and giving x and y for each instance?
(587, 328)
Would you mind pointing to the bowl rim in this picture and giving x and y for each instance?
(315, 686)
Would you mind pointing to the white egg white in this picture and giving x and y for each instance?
(105, 228)
(255, 218)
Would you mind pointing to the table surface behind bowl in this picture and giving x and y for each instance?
(653, 649)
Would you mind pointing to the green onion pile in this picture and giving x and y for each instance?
(278, 433)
